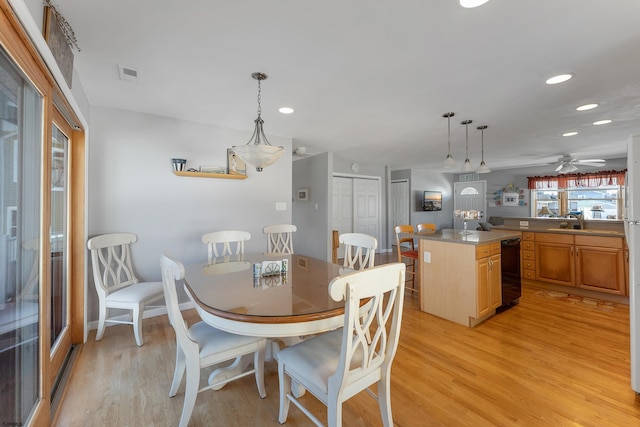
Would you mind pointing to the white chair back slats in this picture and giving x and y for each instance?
(360, 250)
(280, 238)
(223, 243)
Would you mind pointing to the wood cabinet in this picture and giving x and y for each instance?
(528, 255)
(555, 261)
(460, 282)
(489, 285)
(595, 263)
(600, 264)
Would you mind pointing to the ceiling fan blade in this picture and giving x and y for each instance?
(560, 166)
(585, 163)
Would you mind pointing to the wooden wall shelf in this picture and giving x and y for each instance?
(209, 175)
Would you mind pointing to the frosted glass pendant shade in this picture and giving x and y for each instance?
(259, 155)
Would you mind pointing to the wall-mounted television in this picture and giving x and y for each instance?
(432, 201)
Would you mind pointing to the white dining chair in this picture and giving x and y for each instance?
(116, 283)
(359, 251)
(201, 345)
(336, 365)
(228, 242)
(280, 238)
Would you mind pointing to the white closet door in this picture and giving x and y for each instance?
(399, 205)
(366, 217)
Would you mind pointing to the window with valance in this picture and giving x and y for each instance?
(595, 195)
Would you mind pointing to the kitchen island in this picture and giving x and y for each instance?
(460, 274)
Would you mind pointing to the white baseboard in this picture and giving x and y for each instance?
(152, 312)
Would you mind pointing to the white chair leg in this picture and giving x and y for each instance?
(384, 400)
(258, 365)
(334, 412)
(285, 388)
(137, 323)
(178, 373)
(102, 320)
(191, 390)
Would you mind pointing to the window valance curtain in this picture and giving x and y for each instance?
(591, 179)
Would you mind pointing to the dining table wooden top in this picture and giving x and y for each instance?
(228, 296)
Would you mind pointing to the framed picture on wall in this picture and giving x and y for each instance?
(510, 199)
(303, 194)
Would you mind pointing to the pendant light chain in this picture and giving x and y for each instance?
(448, 161)
(449, 134)
(259, 97)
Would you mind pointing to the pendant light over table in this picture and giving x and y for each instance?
(258, 151)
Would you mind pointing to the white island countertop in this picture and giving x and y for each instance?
(471, 238)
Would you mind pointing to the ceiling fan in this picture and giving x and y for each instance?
(568, 164)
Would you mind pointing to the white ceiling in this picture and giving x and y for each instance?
(370, 80)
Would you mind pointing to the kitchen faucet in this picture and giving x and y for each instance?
(580, 219)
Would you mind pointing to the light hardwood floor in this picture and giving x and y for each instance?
(545, 362)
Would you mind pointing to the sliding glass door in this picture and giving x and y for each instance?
(60, 338)
(21, 118)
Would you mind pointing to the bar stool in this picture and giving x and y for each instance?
(409, 256)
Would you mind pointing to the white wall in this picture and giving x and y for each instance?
(131, 188)
(313, 217)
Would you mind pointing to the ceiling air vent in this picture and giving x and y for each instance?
(128, 74)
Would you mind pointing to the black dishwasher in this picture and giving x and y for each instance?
(510, 260)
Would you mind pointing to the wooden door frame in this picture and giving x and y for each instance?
(17, 43)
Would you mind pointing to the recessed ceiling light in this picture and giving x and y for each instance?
(472, 3)
(586, 107)
(560, 78)
(572, 133)
(286, 110)
(602, 122)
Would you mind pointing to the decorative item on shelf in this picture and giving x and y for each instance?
(466, 216)
(235, 165)
(483, 168)
(544, 211)
(258, 151)
(467, 166)
(179, 164)
(449, 163)
(213, 169)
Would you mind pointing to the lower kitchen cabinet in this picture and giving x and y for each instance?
(554, 256)
(600, 264)
(595, 263)
(489, 290)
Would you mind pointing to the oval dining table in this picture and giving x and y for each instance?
(295, 303)
(289, 305)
